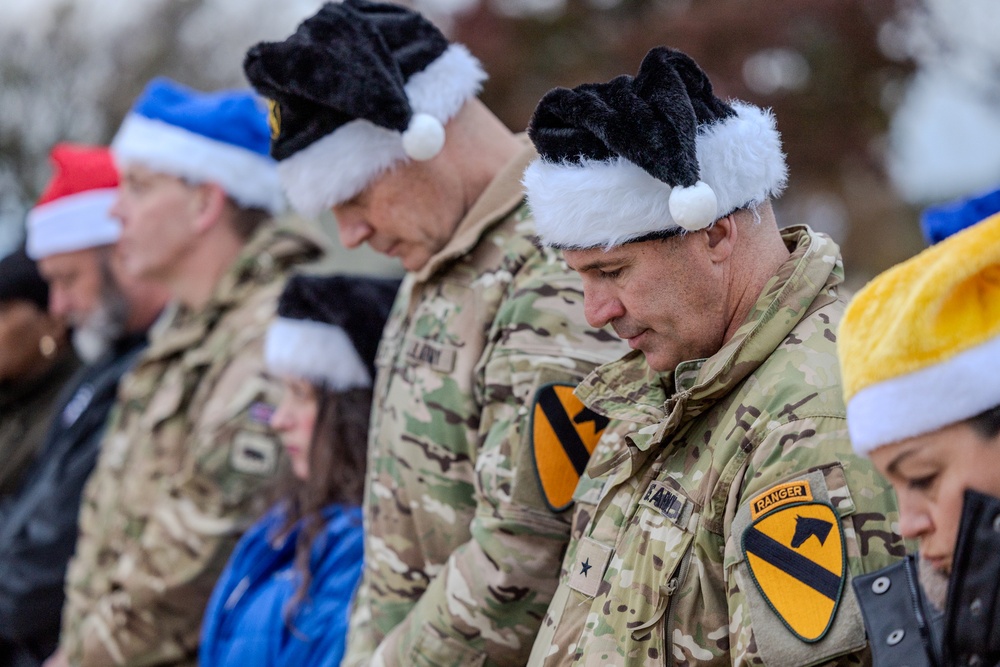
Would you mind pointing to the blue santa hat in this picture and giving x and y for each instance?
(939, 222)
(219, 137)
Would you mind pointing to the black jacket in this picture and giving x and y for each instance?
(38, 523)
(905, 629)
(26, 408)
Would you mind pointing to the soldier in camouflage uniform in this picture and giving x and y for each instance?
(724, 515)
(476, 441)
(188, 454)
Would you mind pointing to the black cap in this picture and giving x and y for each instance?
(21, 281)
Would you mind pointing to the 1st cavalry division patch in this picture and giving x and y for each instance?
(795, 554)
(564, 433)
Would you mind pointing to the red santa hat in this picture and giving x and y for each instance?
(73, 212)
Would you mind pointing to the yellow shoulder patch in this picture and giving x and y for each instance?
(564, 433)
(796, 557)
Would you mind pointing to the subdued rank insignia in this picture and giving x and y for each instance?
(253, 454)
(587, 572)
(564, 433)
(795, 554)
(274, 118)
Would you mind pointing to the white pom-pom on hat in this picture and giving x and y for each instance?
(693, 207)
(424, 138)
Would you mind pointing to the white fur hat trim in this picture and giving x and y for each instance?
(338, 166)
(74, 222)
(318, 352)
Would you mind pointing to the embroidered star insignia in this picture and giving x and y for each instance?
(585, 567)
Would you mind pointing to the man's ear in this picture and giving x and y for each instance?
(721, 239)
(210, 202)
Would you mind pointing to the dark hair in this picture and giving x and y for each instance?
(21, 281)
(246, 221)
(987, 424)
(338, 456)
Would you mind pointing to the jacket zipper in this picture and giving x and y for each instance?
(918, 611)
(670, 591)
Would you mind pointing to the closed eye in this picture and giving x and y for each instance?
(921, 483)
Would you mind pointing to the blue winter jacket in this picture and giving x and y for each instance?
(245, 623)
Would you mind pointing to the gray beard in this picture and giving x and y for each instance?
(90, 344)
(93, 337)
(934, 583)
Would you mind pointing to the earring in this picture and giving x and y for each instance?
(47, 346)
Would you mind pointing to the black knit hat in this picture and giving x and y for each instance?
(640, 156)
(357, 88)
(21, 281)
(328, 329)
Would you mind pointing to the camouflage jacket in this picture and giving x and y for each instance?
(728, 528)
(182, 470)
(462, 549)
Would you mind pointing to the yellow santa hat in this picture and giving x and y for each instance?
(919, 346)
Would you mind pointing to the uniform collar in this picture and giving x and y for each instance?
(270, 251)
(628, 389)
(501, 197)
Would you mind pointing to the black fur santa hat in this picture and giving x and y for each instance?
(360, 86)
(645, 156)
(328, 329)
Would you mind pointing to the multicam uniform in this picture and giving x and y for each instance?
(729, 527)
(463, 551)
(181, 471)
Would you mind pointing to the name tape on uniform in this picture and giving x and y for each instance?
(440, 357)
(675, 507)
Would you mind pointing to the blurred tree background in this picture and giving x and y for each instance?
(884, 105)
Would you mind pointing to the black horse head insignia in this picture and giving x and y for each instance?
(807, 527)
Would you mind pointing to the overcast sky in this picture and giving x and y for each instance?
(945, 137)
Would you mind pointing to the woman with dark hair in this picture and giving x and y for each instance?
(920, 353)
(36, 361)
(284, 597)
